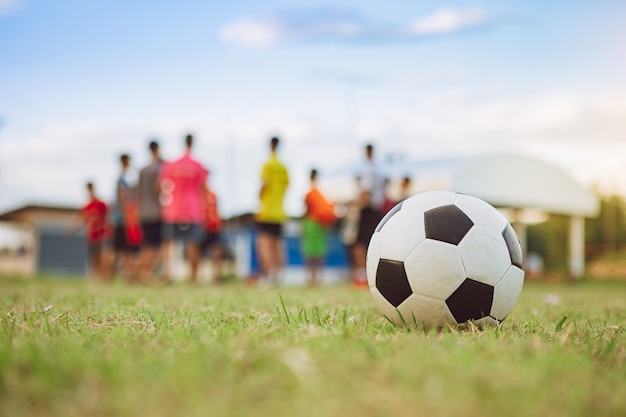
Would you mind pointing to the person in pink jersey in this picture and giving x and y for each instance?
(182, 186)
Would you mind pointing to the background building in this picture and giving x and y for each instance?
(40, 244)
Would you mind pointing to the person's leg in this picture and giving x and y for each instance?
(309, 272)
(307, 251)
(107, 264)
(368, 220)
(194, 237)
(193, 256)
(133, 268)
(92, 253)
(166, 251)
(213, 247)
(147, 263)
(115, 252)
(99, 262)
(264, 243)
(156, 242)
(218, 254)
(130, 262)
(314, 266)
(276, 258)
(316, 249)
(360, 255)
(155, 259)
(144, 256)
(123, 261)
(153, 240)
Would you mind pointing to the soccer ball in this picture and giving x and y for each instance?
(441, 258)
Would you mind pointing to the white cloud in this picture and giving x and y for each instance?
(10, 6)
(340, 25)
(448, 20)
(55, 162)
(252, 33)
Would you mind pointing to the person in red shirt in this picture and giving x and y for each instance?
(182, 185)
(93, 217)
(213, 240)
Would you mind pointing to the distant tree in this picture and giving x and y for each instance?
(604, 233)
(549, 239)
(607, 232)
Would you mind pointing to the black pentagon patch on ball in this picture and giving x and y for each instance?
(447, 224)
(471, 301)
(392, 282)
(387, 216)
(512, 243)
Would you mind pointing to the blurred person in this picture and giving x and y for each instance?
(319, 216)
(126, 234)
(388, 201)
(149, 212)
(371, 197)
(93, 217)
(405, 188)
(349, 226)
(182, 186)
(271, 215)
(404, 192)
(213, 241)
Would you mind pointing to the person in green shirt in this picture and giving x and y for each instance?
(271, 215)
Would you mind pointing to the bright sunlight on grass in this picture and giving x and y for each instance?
(72, 348)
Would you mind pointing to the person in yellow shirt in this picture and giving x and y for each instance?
(271, 215)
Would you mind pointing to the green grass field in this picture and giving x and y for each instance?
(73, 348)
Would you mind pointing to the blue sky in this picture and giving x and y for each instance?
(83, 81)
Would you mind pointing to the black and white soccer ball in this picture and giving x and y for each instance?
(441, 258)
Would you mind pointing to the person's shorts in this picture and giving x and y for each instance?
(211, 240)
(367, 224)
(273, 229)
(152, 234)
(313, 239)
(184, 232)
(120, 240)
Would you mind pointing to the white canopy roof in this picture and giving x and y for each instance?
(522, 182)
(507, 181)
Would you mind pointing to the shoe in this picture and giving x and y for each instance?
(359, 280)
(360, 284)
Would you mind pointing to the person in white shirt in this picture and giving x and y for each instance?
(371, 199)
